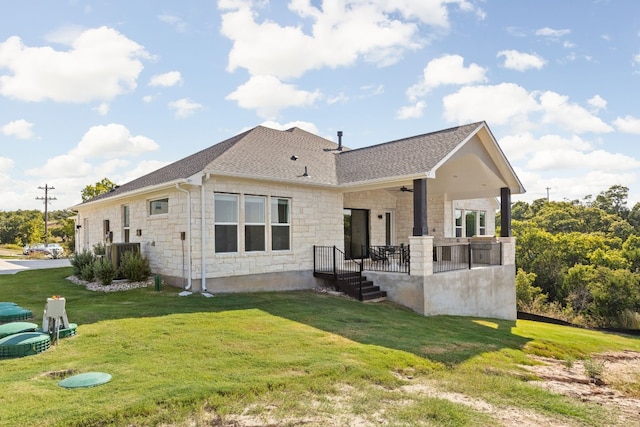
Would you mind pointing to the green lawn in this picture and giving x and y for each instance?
(281, 357)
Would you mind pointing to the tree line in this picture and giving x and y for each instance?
(579, 260)
(24, 227)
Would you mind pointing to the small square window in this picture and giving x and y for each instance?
(158, 207)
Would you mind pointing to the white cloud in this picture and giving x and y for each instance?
(100, 65)
(550, 32)
(411, 111)
(63, 166)
(557, 110)
(268, 95)
(5, 164)
(20, 129)
(446, 70)
(176, 22)
(169, 79)
(142, 168)
(184, 107)
(497, 104)
(628, 124)
(522, 146)
(563, 159)
(341, 34)
(341, 97)
(65, 35)
(597, 103)
(521, 61)
(102, 109)
(147, 98)
(110, 141)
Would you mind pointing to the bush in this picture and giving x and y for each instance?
(104, 271)
(99, 249)
(86, 273)
(80, 260)
(134, 267)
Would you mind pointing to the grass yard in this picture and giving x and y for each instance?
(291, 358)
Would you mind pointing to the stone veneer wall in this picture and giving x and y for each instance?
(316, 219)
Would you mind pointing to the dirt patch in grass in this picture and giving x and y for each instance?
(620, 376)
(621, 369)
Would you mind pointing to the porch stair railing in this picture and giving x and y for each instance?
(344, 273)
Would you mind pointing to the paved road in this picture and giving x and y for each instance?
(15, 266)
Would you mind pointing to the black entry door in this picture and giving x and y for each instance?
(356, 232)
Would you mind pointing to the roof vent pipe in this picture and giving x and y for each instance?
(339, 140)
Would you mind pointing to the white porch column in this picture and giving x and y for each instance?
(421, 253)
(508, 250)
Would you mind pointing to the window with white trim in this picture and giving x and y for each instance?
(254, 223)
(280, 224)
(226, 222)
(159, 206)
(469, 223)
(125, 222)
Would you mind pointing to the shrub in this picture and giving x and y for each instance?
(104, 271)
(594, 369)
(99, 249)
(86, 273)
(134, 267)
(80, 260)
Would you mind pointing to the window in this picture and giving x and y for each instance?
(280, 224)
(254, 223)
(226, 222)
(125, 223)
(158, 207)
(470, 223)
(470, 219)
(458, 223)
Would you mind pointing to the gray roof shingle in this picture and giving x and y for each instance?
(266, 153)
(403, 157)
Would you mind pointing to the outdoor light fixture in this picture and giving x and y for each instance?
(294, 157)
(305, 174)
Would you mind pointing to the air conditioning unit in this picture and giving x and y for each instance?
(116, 250)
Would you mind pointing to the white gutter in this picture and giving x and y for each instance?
(188, 231)
(203, 235)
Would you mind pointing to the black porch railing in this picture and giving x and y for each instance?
(393, 259)
(466, 256)
(331, 261)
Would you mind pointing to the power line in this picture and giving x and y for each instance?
(46, 200)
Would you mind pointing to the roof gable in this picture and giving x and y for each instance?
(404, 157)
(295, 155)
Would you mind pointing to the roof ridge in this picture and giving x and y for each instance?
(409, 138)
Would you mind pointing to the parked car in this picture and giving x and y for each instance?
(34, 248)
(54, 250)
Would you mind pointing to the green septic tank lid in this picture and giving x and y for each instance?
(12, 313)
(16, 327)
(88, 379)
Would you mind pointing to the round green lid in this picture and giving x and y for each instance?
(88, 379)
(16, 327)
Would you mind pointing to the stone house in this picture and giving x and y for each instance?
(270, 210)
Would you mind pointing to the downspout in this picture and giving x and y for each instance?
(188, 193)
(203, 232)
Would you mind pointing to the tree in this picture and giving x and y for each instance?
(101, 187)
(614, 201)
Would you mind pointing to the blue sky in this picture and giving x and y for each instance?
(119, 88)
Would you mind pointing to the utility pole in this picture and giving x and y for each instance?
(46, 199)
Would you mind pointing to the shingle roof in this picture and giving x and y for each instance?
(403, 157)
(266, 153)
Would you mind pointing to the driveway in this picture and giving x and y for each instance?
(15, 266)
